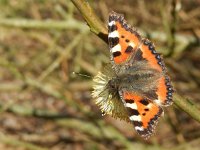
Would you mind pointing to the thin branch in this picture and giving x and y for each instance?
(46, 88)
(102, 131)
(95, 24)
(18, 143)
(187, 106)
(97, 27)
(173, 26)
(48, 24)
(63, 56)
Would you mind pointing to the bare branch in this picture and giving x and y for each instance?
(95, 24)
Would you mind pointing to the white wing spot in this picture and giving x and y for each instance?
(132, 44)
(158, 102)
(149, 105)
(111, 23)
(116, 48)
(132, 105)
(113, 34)
(135, 118)
(139, 128)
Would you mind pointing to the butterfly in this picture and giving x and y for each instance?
(134, 86)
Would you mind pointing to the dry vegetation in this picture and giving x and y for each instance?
(43, 105)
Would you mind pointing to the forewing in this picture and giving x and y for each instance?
(123, 40)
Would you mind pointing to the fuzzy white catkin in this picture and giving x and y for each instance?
(108, 103)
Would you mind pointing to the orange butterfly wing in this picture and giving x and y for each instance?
(154, 60)
(122, 39)
(143, 113)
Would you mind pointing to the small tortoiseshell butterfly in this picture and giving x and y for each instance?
(135, 86)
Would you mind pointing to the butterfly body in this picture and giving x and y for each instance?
(136, 82)
(131, 79)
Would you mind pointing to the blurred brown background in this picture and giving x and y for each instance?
(43, 105)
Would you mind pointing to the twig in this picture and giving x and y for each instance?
(194, 145)
(187, 106)
(29, 111)
(87, 66)
(169, 26)
(95, 24)
(63, 56)
(85, 10)
(102, 132)
(46, 88)
(173, 25)
(17, 143)
(48, 24)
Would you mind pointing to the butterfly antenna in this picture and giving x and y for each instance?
(82, 75)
